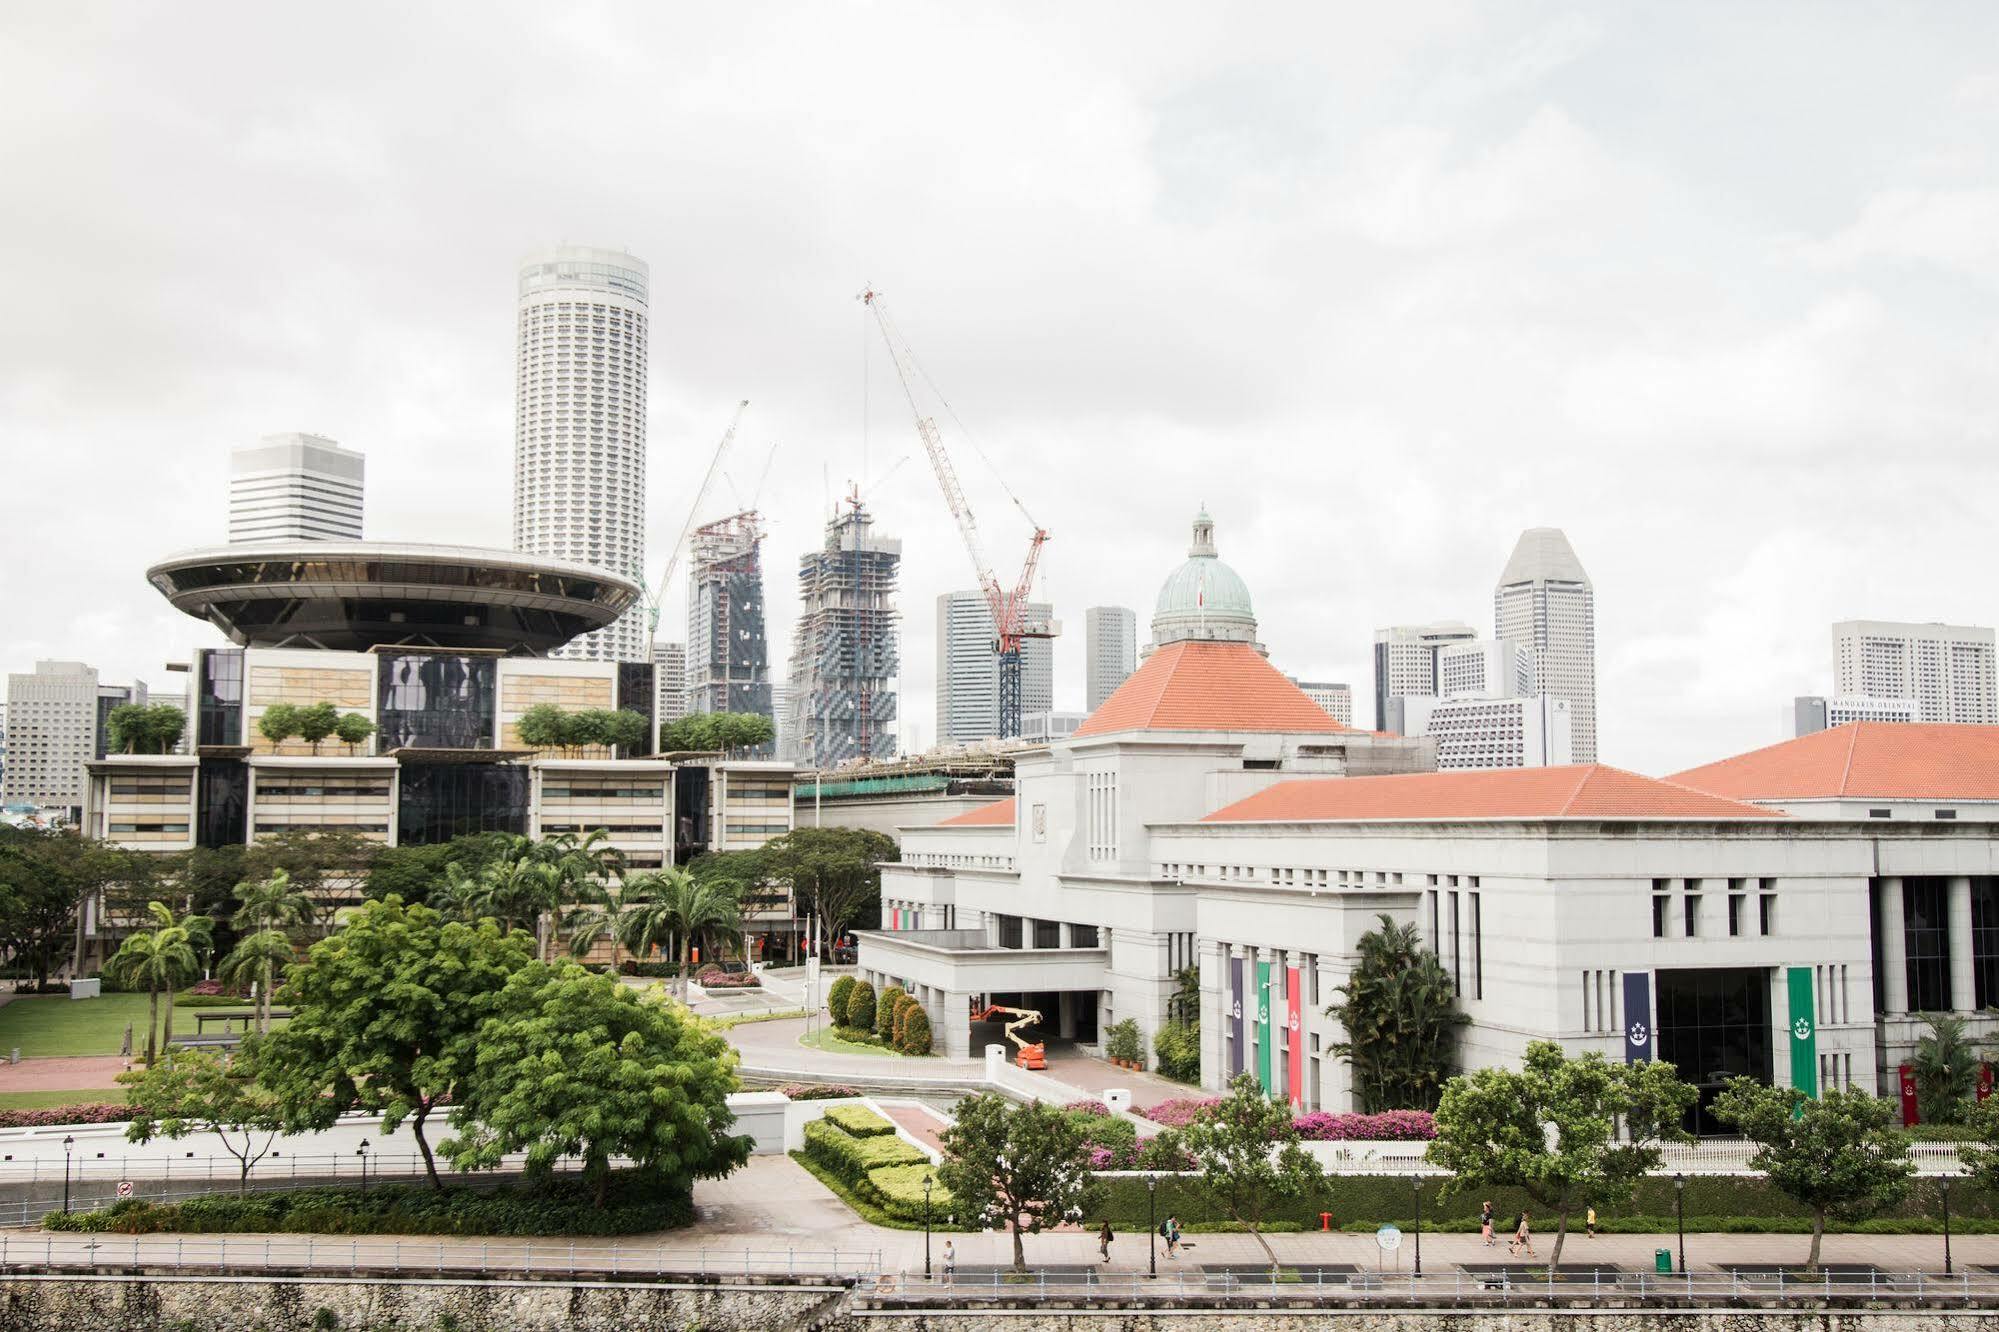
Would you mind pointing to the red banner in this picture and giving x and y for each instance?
(1984, 1081)
(1295, 1024)
(1905, 1077)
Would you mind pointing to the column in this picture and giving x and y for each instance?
(1894, 959)
(1065, 1015)
(951, 1024)
(1963, 987)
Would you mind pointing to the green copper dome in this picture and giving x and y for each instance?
(1203, 598)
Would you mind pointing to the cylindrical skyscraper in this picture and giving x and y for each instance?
(580, 424)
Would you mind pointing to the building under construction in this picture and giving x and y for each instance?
(728, 662)
(844, 655)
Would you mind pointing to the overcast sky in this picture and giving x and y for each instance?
(1709, 286)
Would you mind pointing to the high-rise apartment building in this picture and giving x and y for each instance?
(669, 667)
(728, 662)
(1405, 664)
(1336, 699)
(845, 652)
(56, 721)
(1507, 732)
(1815, 712)
(968, 669)
(1946, 669)
(1110, 650)
(1545, 604)
(296, 487)
(1484, 668)
(580, 424)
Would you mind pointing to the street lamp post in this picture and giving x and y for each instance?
(1416, 1192)
(1948, 1270)
(362, 1152)
(1152, 1222)
(1680, 1215)
(68, 1143)
(927, 1181)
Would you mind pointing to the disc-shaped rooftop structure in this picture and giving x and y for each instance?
(355, 595)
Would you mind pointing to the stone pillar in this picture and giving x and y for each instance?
(1894, 959)
(1065, 1015)
(1963, 986)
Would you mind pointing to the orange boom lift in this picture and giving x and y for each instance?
(1031, 1054)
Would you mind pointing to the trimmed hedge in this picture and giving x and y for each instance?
(901, 1187)
(814, 1091)
(860, 1013)
(915, 1036)
(858, 1121)
(96, 1112)
(636, 1202)
(878, 1170)
(888, 1018)
(836, 998)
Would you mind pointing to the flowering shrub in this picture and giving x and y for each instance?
(805, 1091)
(1087, 1108)
(714, 978)
(205, 987)
(1182, 1110)
(89, 1113)
(1389, 1126)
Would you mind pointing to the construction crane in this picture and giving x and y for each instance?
(1030, 1054)
(1008, 606)
(657, 594)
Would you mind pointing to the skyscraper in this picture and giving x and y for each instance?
(845, 653)
(1545, 604)
(1110, 650)
(728, 661)
(1336, 699)
(295, 487)
(968, 669)
(1945, 669)
(1405, 664)
(56, 721)
(580, 424)
(669, 664)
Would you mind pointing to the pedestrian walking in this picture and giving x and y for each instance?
(1485, 1224)
(1104, 1238)
(1523, 1236)
(1173, 1236)
(950, 1262)
(1589, 1222)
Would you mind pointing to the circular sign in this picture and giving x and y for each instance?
(1802, 1029)
(124, 1188)
(1389, 1238)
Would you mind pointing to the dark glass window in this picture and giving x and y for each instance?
(636, 694)
(1985, 942)
(1009, 931)
(1047, 934)
(1714, 1025)
(1766, 914)
(1083, 936)
(1926, 932)
(1692, 906)
(1660, 903)
(1457, 951)
(690, 813)
(222, 803)
(1734, 914)
(1477, 950)
(219, 698)
(441, 801)
(437, 700)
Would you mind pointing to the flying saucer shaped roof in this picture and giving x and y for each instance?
(355, 595)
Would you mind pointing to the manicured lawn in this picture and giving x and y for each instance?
(55, 1024)
(824, 1039)
(49, 1100)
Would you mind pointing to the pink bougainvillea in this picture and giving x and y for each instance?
(1389, 1126)
(1087, 1108)
(89, 1113)
(1182, 1111)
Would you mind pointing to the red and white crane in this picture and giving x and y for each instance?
(1011, 624)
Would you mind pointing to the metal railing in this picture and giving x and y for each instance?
(422, 1255)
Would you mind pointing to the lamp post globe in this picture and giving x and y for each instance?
(68, 1144)
(1416, 1192)
(927, 1183)
(1680, 1215)
(1152, 1226)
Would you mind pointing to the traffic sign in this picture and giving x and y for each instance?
(124, 1188)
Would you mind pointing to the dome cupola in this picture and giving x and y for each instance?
(1203, 600)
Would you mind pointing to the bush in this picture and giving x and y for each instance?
(656, 970)
(901, 1190)
(94, 1112)
(1122, 1041)
(714, 978)
(806, 1091)
(1086, 1108)
(861, 1007)
(1182, 1111)
(858, 1121)
(887, 1012)
(1178, 1047)
(836, 998)
(637, 1201)
(851, 1158)
(1388, 1126)
(903, 1008)
(915, 1038)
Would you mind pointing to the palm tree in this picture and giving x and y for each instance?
(161, 959)
(259, 957)
(270, 910)
(271, 904)
(1946, 1068)
(699, 909)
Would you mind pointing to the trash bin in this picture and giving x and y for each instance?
(1662, 1261)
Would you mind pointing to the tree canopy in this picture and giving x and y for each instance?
(546, 726)
(724, 732)
(1401, 1021)
(201, 1090)
(833, 872)
(1249, 1158)
(1021, 1167)
(45, 876)
(1551, 1128)
(139, 728)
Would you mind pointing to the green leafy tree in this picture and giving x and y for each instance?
(626, 731)
(352, 729)
(860, 1014)
(572, 1063)
(205, 1091)
(1840, 1154)
(1021, 1167)
(160, 960)
(165, 724)
(717, 732)
(45, 877)
(833, 872)
(540, 727)
(316, 721)
(587, 729)
(1551, 1129)
(1981, 1154)
(280, 722)
(258, 958)
(414, 873)
(1401, 1021)
(385, 1017)
(1946, 1068)
(321, 862)
(136, 728)
(1248, 1158)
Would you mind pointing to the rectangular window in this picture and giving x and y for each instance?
(1946, 813)
(1734, 914)
(1985, 942)
(1692, 910)
(1009, 931)
(1477, 950)
(1926, 931)
(1660, 903)
(1436, 930)
(1766, 914)
(1083, 936)
(1457, 951)
(1878, 814)
(1047, 934)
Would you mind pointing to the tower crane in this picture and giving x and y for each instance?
(1008, 606)
(658, 593)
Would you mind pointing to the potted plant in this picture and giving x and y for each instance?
(1122, 1045)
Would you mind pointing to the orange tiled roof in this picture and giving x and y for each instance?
(997, 814)
(1585, 792)
(1882, 760)
(1202, 686)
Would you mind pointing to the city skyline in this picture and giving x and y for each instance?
(1484, 178)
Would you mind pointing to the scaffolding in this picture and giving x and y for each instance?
(844, 653)
(728, 663)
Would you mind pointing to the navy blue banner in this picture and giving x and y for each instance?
(1638, 1043)
(1235, 1018)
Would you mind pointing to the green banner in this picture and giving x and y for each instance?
(1263, 1025)
(1804, 1034)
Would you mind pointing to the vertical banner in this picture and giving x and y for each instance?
(1295, 1024)
(1804, 1034)
(1263, 1026)
(1638, 1043)
(1905, 1078)
(1984, 1080)
(1235, 1017)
